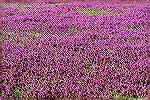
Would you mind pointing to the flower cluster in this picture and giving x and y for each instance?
(73, 53)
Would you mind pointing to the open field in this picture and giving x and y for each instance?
(84, 50)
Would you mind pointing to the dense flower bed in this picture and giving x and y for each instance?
(75, 49)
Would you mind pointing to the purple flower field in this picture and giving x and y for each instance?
(74, 50)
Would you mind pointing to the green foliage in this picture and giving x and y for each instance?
(60, 13)
(89, 11)
(1, 81)
(34, 33)
(17, 93)
(72, 29)
(126, 98)
(132, 27)
(119, 96)
(135, 98)
(116, 96)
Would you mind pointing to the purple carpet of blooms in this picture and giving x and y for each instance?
(64, 50)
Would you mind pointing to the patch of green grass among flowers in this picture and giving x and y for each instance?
(90, 11)
(119, 96)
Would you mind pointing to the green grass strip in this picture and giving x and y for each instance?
(90, 11)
